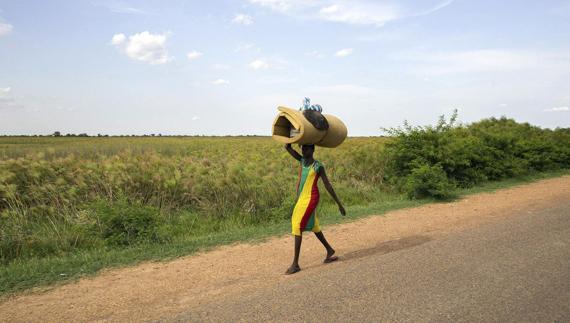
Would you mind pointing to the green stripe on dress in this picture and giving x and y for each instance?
(304, 175)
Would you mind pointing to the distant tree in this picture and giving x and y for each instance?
(57, 134)
(83, 135)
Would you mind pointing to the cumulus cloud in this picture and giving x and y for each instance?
(220, 82)
(118, 39)
(355, 12)
(557, 109)
(194, 54)
(344, 52)
(195, 118)
(242, 19)
(5, 28)
(259, 64)
(144, 47)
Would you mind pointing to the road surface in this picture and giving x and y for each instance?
(513, 270)
(499, 256)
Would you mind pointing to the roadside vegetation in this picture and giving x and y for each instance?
(433, 161)
(70, 206)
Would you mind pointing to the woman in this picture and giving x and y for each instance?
(304, 216)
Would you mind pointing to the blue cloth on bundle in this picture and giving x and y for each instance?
(313, 113)
(308, 106)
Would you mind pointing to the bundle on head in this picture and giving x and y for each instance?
(313, 113)
(316, 119)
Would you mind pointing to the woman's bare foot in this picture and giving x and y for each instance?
(330, 256)
(293, 269)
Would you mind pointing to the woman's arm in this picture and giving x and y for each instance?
(330, 189)
(293, 152)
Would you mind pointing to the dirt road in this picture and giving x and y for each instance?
(489, 257)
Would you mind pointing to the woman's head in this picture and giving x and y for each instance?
(307, 151)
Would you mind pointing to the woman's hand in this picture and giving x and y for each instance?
(341, 210)
(292, 152)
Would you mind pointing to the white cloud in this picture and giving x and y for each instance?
(220, 82)
(242, 19)
(118, 39)
(194, 54)
(219, 67)
(502, 105)
(557, 109)
(144, 47)
(360, 13)
(331, 9)
(6, 98)
(5, 90)
(285, 5)
(344, 52)
(5, 28)
(435, 8)
(259, 64)
(195, 118)
(355, 12)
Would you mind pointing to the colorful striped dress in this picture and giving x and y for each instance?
(304, 216)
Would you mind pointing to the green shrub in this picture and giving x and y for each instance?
(426, 181)
(122, 224)
(490, 149)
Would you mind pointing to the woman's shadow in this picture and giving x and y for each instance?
(387, 247)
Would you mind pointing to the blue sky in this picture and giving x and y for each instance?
(222, 67)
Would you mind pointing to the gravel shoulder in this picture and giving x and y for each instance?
(158, 290)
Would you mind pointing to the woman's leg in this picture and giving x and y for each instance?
(330, 250)
(295, 265)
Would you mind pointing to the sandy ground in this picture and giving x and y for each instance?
(159, 290)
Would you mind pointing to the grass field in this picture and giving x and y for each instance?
(72, 206)
(64, 198)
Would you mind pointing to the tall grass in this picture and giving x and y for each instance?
(58, 195)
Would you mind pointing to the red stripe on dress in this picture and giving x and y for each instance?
(312, 204)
